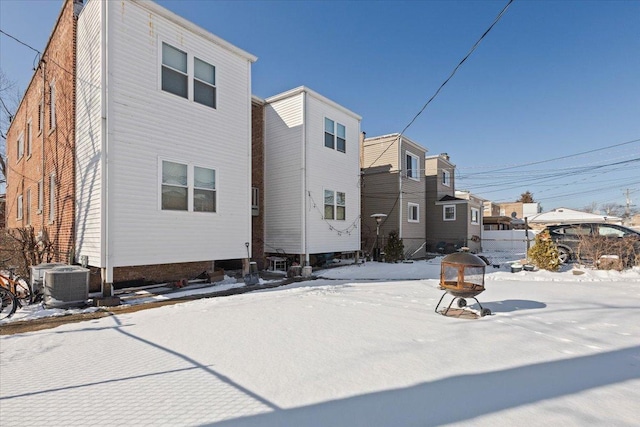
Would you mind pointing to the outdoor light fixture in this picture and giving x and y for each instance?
(378, 217)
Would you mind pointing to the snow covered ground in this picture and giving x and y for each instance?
(361, 346)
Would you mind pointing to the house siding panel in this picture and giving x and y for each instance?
(284, 175)
(333, 170)
(88, 136)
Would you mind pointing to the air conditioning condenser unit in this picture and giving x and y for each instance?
(66, 286)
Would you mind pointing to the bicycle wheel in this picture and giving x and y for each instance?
(8, 304)
(23, 292)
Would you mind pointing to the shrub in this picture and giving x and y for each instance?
(610, 253)
(394, 249)
(544, 253)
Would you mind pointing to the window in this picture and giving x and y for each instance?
(176, 75)
(52, 197)
(329, 133)
(204, 83)
(20, 146)
(204, 190)
(413, 212)
(28, 207)
(40, 117)
(29, 138)
(341, 142)
(174, 186)
(449, 212)
(255, 201)
(52, 105)
(174, 71)
(19, 206)
(446, 178)
(188, 188)
(413, 167)
(475, 216)
(335, 135)
(40, 196)
(334, 205)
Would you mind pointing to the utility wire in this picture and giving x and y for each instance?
(495, 21)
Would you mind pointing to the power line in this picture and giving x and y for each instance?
(473, 48)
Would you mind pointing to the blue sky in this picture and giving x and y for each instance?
(552, 80)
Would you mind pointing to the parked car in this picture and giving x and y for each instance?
(569, 237)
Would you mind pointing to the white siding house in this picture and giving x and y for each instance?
(312, 175)
(163, 139)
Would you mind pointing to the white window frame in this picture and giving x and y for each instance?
(444, 212)
(40, 197)
(338, 141)
(334, 205)
(411, 172)
(190, 74)
(52, 105)
(446, 178)
(190, 186)
(52, 198)
(29, 138)
(27, 207)
(475, 216)
(19, 208)
(40, 117)
(20, 146)
(410, 211)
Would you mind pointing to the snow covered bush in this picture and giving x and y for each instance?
(544, 253)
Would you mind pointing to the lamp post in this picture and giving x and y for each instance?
(378, 217)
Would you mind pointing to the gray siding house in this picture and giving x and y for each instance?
(393, 183)
(452, 222)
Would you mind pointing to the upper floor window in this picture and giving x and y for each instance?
(255, 200)
(40, 117)
(335, 135)
(204, 83)
(40, 196)
(413, 212)
(176, 74)
(174, 71)
(19, 207)
(334, 205)
(188, 188)
(446, 177)
(52, 105)
(475, 216)
(20, 146)
(413, 166)
(28, 207)
(449, 212)
(29, 138)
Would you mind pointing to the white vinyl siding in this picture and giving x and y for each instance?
(296, 175)
(143, 123)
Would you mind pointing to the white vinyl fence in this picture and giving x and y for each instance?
(514, 241)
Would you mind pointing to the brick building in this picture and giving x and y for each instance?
(40, 145)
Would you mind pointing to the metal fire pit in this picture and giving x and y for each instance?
(462, 276)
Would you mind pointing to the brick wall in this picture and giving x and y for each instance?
(257, 180)
(48, 157)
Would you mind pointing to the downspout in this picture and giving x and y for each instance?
(42, 131)
(305, 190)
(107, 269)
(400, 186)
